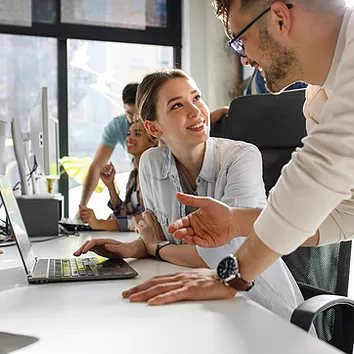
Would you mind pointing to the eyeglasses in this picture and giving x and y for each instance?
(236, 44)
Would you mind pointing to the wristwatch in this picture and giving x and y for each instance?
(159, 246)
(228, 274)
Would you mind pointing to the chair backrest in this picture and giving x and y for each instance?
(276, 125)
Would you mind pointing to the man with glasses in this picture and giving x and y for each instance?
(312, 203)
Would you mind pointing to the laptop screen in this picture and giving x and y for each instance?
(7, 198)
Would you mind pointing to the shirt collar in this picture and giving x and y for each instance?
(329, 83)
(167, 163)
(208, 168)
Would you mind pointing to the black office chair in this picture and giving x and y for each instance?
(276, 125)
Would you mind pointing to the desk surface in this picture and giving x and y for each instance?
(91, 316)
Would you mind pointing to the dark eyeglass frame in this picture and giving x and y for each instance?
(236, 45)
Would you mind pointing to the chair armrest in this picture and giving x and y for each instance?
(305, 313)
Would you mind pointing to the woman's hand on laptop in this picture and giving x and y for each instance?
(110, 248)
(193, 285)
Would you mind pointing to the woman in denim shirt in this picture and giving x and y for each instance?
(189, 161)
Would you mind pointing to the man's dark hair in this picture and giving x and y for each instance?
(129, 93)
(222, 9)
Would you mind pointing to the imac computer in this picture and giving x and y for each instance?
(37, 150)
(43, 134)
(2, 146)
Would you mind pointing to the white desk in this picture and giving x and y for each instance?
(91, 317)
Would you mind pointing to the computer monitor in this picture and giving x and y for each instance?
(21, 156)
(43, 134)
(3, 125)
(37, 148)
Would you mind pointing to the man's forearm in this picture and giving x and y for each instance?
(312, 241)
(182, 255)
(90, 184)
(244, 219)
(254, 257)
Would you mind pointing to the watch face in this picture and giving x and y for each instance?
(226, 268)
(164, 243)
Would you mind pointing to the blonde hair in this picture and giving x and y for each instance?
(148, 90)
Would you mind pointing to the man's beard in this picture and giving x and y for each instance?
(281, 62)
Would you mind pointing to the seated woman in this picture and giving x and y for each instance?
(190, 161)
(125, 214)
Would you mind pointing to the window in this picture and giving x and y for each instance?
(116, 13)
(97, 74)
(16, 12)
(26, 64)
(40, 40)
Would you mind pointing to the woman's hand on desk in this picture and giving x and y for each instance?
(196, 284)
(109, 248)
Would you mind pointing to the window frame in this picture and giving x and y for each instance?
(171, 36)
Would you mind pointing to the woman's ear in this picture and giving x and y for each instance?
(152, 129)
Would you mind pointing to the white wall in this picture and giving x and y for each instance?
(205, 53)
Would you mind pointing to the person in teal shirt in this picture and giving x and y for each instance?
(114, 133)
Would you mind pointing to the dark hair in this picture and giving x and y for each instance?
(222, 9)
(129, 93)
(149, 88)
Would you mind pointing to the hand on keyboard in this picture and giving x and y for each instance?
(109, 248)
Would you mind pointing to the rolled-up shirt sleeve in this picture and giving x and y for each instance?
(319, 176)
(337, 227)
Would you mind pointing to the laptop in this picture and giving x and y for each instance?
(46, 270)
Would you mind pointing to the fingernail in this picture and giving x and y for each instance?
(133, 297)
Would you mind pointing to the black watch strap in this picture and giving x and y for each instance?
(158, 248)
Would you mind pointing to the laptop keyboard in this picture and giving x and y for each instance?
(72, 268)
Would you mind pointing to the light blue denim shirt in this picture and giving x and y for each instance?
(232, 173)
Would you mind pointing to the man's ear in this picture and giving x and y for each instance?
(281, 17)
(152, 128)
